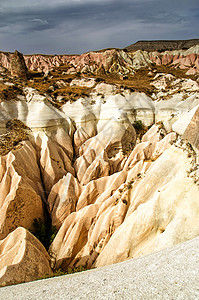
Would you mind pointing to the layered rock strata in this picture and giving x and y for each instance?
(163, 45)
(117, 61)
(114, 61)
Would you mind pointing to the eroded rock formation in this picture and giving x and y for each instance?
(115, 171)
(22, 258)
(117, 61)
(183, 55)
(18, 65)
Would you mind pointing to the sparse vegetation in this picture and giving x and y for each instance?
(44, 231)
(8, 92)
(140, 128)
(98, 79)
(50, 85)
(138, 125)
(129, 186)
(177, 72)
(138, 82)
(60, 272)
(16, 132)
(72, 93)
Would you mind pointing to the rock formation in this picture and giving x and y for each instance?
(117, 61)
(18, 65)
(113, 169)
(177, 54)
(22, 258)
(21, 190)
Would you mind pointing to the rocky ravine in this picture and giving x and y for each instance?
(115, 171)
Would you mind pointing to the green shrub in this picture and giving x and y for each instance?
(98, 79)
(44, 231)
(138, 125)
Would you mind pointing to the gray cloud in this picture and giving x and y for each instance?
(77, 26)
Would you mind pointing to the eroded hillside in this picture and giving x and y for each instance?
(100, 151)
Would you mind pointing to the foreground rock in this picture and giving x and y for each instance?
(22, 258)
(168, 274)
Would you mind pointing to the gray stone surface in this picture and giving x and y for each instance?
(169, 274)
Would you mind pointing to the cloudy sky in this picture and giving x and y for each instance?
(77, 26)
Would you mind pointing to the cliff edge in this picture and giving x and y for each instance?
(163, 45)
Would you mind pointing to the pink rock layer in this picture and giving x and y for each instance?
(104, 62)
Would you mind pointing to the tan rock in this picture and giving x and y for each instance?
(85, 131)
(98, 168)
(99, 154)
(100, 190)
(72, 236)
(20, 207)
(63, 199)
(22, 258)
(159, 214)
(21, 192)
(112, 195)
(63, 138)
(23, 161)
(96, 206)
(54, 162)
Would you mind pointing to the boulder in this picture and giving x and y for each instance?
(22, 258)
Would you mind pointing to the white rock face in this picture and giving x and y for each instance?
(34, 110)
(85, 82)
(133, 106)
(181, 124)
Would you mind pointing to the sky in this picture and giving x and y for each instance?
(79, 26)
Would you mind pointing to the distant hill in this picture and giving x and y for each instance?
(162, 45)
